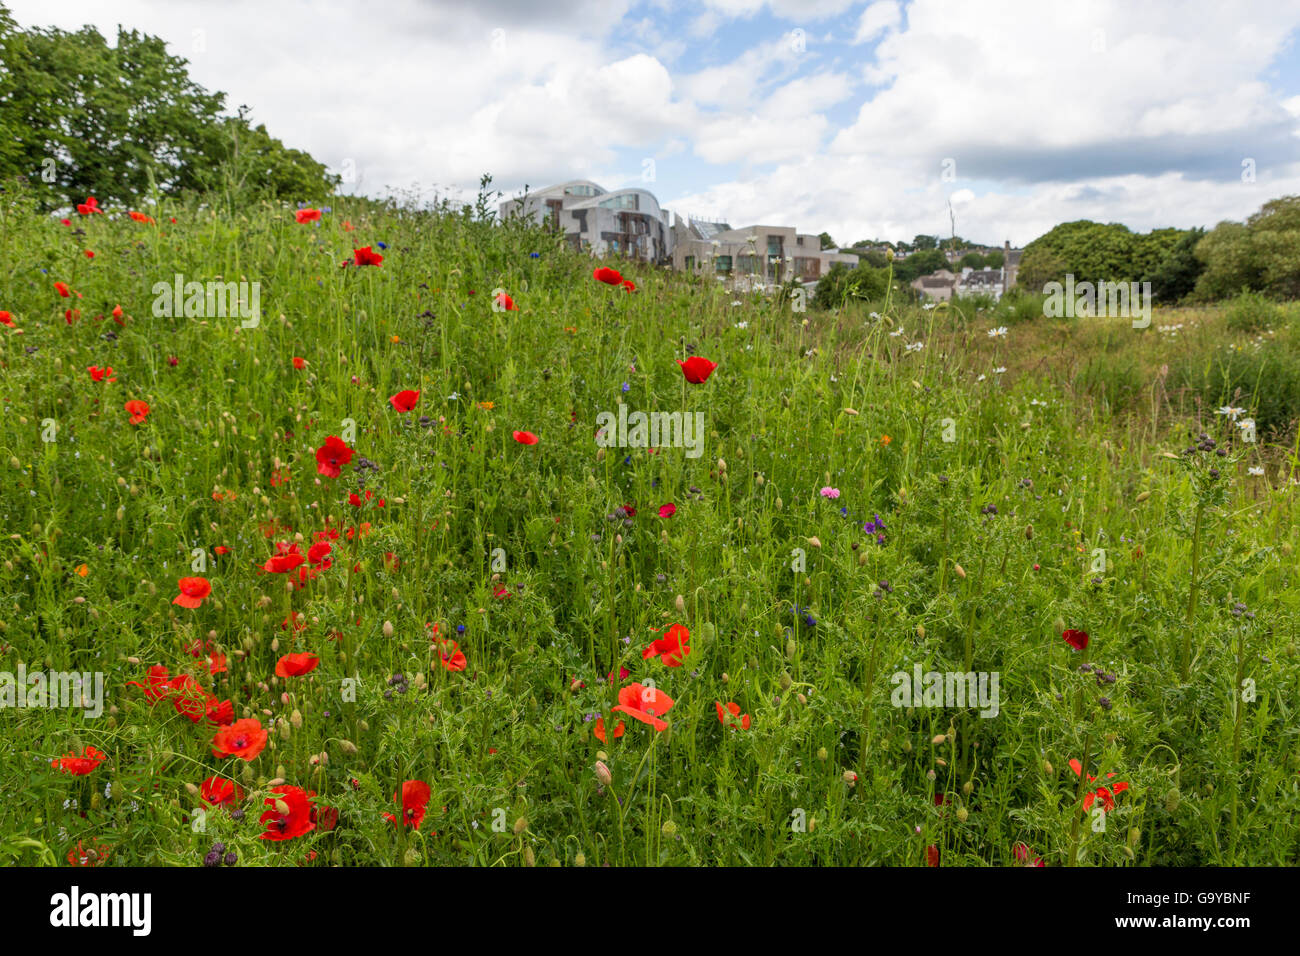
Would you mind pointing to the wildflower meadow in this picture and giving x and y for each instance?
(370, 535)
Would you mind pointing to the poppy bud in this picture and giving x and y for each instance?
(786, 681)
(821, 753)
(281, 807)
(1172, 799)
(530, 858)
(275, 781)
(960, 573)
(962, 814)
(939, 738)
(779, 504)
(681, 604)
(388, 629)
(602, 774)
(1134, 835)
(941, 762)
(669, 828)
(726, 679)
(812, 824)
(907, 746)
(759, 481)
(1047, 768)
(815, 542)
(1059, 625)
(521, 825)
(411, 856)
(802, 699)
(967, 787)
(722, 465)
(296, 719)
(348, 747)
(850, 778)
(790, 648)
(580, 859)
(192, 790)
(1029, 532)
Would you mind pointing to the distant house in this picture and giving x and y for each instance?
(624, 222)
(938, 286)
(980, 282)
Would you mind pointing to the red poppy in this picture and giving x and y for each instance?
(295, 665)
(80, 765)
(307, 215)
(1076, 639)
(216, 792)
(730, 714)
(599, 732)
(91, 205)
(139, 410)
(6, 319)
(453, 659)
(525, 438)
(286, 558)
(299, 363)
(62, 289)
(217, 663)
(332, 456)
(1106, 794)
(415, 798)
(607, 276)
(89, 254)
(221, 714)
(696, 369)
(365, 257)
(506, 303)
(668, 510)
(1025, 855)
(220, 550)
(932, 855)
(629, 285)
(244, 739)
(290, 813)
(193, 591)
(318, 553)
(672, 648)
(645, 704)
(141, 217)
(404, 401)
(98, 374)
(117, 316)
(93, 855)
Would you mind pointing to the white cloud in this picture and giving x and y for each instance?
(876, 19)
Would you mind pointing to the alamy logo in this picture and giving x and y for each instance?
(52, 689)
(1105, 299)
(209, 300)
(74, 909)
(656, 430)
(946, 689)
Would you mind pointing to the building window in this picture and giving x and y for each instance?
(626, 201)
(722, 263)
(690, 263)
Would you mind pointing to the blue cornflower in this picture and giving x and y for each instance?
(626, 387)
(534, 255)
(382, 245)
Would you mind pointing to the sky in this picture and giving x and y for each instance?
(877, 120)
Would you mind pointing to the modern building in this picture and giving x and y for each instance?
(624, 222)
(758, 255)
